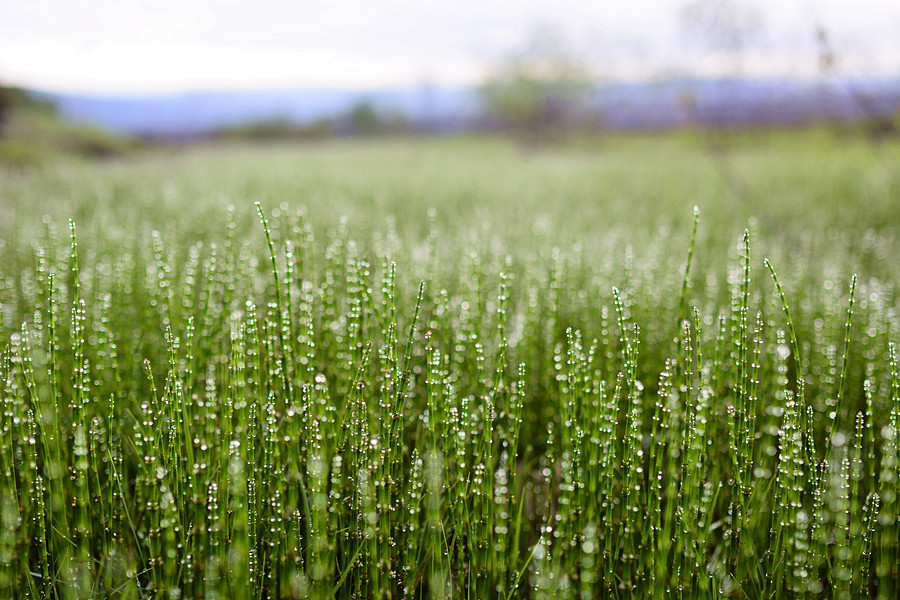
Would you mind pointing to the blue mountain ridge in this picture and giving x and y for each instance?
(660, 104)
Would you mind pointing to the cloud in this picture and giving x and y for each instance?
(110, 67)
(163, 45)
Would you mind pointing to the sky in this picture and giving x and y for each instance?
(160, 46)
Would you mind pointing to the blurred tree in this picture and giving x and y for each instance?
(18, 99)
(32, 131)
(5, 107)
(364, 119)
(540, 91)
(279, 128)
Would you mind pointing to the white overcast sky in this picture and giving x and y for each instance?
(133, 47)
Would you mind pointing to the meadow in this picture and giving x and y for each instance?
(638, 366)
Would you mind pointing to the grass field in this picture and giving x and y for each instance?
(447, 368)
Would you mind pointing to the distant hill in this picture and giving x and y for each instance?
(663, 104)
(32, 132)
(739, 102)
(200, 113)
